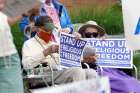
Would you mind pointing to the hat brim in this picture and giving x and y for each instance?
(101, 31)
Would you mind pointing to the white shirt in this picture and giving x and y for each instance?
(32, 52)
(6, 39)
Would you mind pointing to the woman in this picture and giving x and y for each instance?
(92, 30)
(56, 11)
(10, 69)
(119, 81)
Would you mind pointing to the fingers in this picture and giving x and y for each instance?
(55, 48)
(65, 30)
(51, 49)
(77, 35)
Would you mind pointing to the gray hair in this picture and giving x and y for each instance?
(88, 51)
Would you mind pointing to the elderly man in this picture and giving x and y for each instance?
(43, 49)
(119, 81)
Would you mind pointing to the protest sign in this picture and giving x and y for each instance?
(70, 51)
(14, 8)
(131, 18)
(112, 53)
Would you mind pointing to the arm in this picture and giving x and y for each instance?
(30, 57)
(12, 21)
(23, 23)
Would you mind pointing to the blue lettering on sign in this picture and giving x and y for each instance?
(71, 51)
(137, 31)
(111, 53)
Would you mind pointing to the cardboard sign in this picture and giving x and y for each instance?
(14, 8)
(112, 53)
(131, 18)
(70, 51)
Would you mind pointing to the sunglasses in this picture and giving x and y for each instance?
(91, 35)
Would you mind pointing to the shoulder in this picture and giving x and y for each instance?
(29, 42)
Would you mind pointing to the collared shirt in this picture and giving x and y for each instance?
(6, 39)
(33, 53)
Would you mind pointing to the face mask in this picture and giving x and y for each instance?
(45, 36)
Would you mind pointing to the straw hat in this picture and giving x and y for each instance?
(101, 30)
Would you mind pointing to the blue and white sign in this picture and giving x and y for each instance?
(70, 51)
(112, 53)
(131, 17)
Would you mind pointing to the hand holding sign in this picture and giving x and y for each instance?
(112, 53)
(51, 49)
(70, 51)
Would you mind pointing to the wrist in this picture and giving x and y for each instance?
(46, 53)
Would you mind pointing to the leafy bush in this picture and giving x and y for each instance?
(18, 37)
(109, 17)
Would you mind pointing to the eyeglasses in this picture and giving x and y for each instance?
(90, 35)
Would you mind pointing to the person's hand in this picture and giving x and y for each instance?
(65, 30)
(104, 37)
(77, 35)
(33, 12)
(51, 49)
